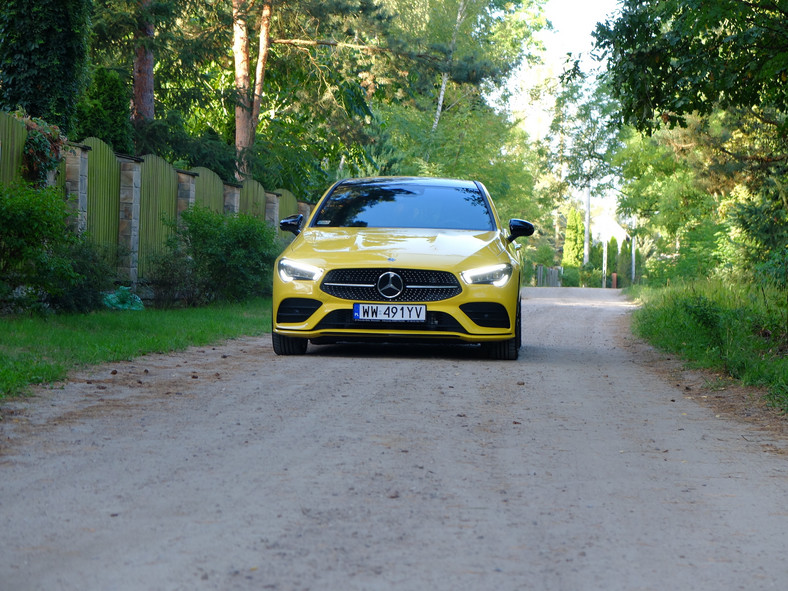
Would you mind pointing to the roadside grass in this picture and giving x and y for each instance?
(741, 330)
(36, 350)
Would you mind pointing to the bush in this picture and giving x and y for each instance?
(44, 265)
(590, 276)
(571, 277)
(212, 256)
(79, 283)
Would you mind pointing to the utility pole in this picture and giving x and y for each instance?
(587, 238)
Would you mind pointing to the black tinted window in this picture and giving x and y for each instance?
(406, 206)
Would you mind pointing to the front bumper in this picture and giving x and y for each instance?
(481, 313)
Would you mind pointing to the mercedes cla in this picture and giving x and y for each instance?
(391, 259)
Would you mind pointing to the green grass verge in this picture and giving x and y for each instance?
(42, 350)
(741, 330)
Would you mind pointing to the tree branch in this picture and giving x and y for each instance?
(343, 45)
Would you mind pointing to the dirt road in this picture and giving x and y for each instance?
(582, 466)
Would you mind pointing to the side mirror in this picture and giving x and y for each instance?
(519, 228)
(292, 224)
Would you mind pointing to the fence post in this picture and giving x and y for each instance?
(304, 209)
(186, 191)
(129, 222)
(232, 198)
(272, 208)
(77, 182)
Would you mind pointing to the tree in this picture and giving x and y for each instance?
(585, 138)
(481, 40)
(249, 91)
(43, 57)
(573, 241)
(671, 58)
(719, 71)
(103, 111)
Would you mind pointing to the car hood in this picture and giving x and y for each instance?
(415, 248)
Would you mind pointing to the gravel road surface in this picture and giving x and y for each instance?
(584, 465)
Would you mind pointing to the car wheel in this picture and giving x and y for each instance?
(509, 349)
(288, 345)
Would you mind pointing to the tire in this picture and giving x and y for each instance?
(288, 345)
(509, 350)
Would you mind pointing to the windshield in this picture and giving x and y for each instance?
(406, 205)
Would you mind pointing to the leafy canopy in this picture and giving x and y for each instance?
(670, 58)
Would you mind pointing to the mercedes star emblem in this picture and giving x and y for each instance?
(390, 285)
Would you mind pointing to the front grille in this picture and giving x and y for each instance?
(420, 285)
(436, 321)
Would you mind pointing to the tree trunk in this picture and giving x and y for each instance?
(248, 95)
(461, 10)
(262, 59)
(142, 97)
(243, 105)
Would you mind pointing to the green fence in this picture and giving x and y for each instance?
(103, 213)
(208, 189)
(253, 199)
(12, 142)
(125, 203)
(158, 204)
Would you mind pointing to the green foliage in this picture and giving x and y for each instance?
(169, 138)
(44, 265)
(73, 341)
(671, 58)
(584, 135)
(741, 329)
(43, 57)
(715, 74)
(79, 282)
(43, 151)
(573, 241)
(571, 277)
(764, 220)
(32, 226)
(544, 255)
(212, 256)
(103, 111)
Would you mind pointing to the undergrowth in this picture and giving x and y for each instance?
(738, 329)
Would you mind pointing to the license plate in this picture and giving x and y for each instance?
(390, 312)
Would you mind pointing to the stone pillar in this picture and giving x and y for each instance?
(232, 198)
(186, 191)
(129, 222)
(77, 183)
(304, 209)
(272, 209)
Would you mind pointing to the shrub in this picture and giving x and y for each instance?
(212, 256)
(79, 283)
(571, 277)
(44, 265)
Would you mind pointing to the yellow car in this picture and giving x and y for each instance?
(394, 258)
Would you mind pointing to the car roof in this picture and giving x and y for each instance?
(409, 180)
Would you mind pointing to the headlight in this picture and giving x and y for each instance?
(496, 275)
(297, 271)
